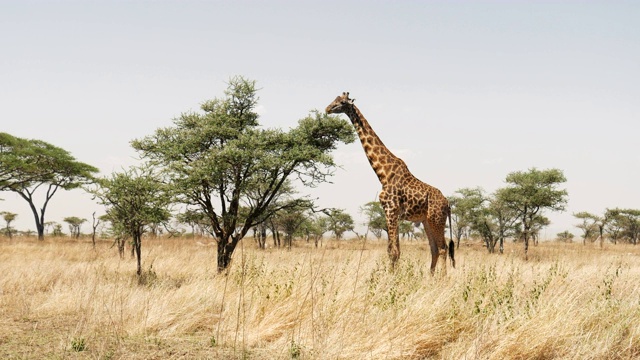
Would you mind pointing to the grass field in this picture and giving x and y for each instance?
(65, 300)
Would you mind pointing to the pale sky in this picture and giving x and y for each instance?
(464, 91)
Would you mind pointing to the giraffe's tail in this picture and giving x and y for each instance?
(452, 245)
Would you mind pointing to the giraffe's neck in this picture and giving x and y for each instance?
(379, 156)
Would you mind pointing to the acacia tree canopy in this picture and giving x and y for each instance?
(28, 165)
(220, 160)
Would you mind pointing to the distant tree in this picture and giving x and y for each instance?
(195, 219)
(376, 220)
(48, 226)
(284, 214)
(588, 225)
(505, 217)
(601, 223)
(289, 220)
(565, 236)
(8, 217)
(57, 230)
(134, 200)
(405, 229)
(314, 228)
(117, 232)
(530, 193)
(487, 216)
(94, 227)
(632, 222)
(538, 223)
(338, 222)
(499, 219)
(624, 224)
(261, 234)
(28, 233)
(465, 204)
(29, 165)
(74, 225)
(221, 160)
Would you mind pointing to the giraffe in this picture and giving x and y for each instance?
(403, 196)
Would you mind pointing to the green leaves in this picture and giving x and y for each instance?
(25, 163)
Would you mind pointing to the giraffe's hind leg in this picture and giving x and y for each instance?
(433, 246)
(437, 244)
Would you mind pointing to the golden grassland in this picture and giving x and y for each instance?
(65, 300)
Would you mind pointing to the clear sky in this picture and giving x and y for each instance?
(464, 91)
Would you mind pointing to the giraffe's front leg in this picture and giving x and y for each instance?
(391, 211)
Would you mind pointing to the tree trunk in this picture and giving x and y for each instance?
(120, 243)
(492, 246)
(225, 251)
(137, 246)
(262, 237)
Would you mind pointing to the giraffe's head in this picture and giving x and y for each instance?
(340, 104)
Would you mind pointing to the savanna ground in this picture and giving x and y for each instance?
(64, 300)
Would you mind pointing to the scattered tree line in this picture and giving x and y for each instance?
(615, 224)
(230, 176)
(515, 211)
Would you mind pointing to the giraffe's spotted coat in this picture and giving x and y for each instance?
(403, 196)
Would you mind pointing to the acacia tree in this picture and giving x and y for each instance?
(313, 227)
(221, 160)
(632, 224)
(623, 224)
(8, 219)
(530, 193)
(27, 166)
(405, 229)
(588, 226)
(486, 215)
(376, 220)
(194, 219)
(74, 225)
(505, 218)
(57, 229)
(134, 200)
(290, 219)
(465, 204)
(338, 222)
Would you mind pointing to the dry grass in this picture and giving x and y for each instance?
(65, 300)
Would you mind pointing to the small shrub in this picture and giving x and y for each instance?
(295, 350)
(78, 344)
(565, 236)
(148, 278)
